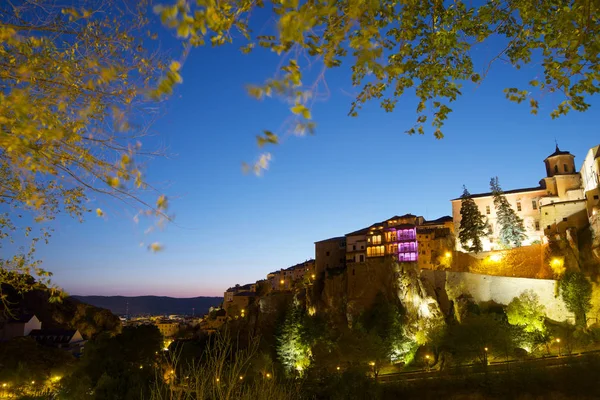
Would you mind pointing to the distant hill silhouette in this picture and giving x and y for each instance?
(154, 305)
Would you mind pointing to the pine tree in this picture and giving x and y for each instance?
(512, 230)
(473, 226)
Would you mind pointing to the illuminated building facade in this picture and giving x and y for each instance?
(396, 237)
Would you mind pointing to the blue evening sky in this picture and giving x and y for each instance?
(235, 228)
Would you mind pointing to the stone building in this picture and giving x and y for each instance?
(285, 279)
(436, 242)
(356, 246)
(556, 204)
(330, 253)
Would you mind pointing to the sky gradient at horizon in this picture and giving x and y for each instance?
(234, 228)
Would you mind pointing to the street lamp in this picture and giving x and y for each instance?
(338, 368)
(427, 361)
(558, 342)
(485, 356)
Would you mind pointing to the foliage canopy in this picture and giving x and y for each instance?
(576, 291)
(512, 230)
(396, 47)
(473, 226)
(74, 105)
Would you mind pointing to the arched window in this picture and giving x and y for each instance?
(556, 169)
(566, 168)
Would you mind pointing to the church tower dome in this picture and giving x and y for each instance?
(560, 163)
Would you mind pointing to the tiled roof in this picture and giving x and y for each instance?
(440, 220)
(358, 232)
(559, 152)
(53, 336)
(338, 238)
(533, 189)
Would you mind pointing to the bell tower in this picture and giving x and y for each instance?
(562, 180)
(560, 163)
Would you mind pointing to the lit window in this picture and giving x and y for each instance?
(487, 210)
(534, 204)
(376, 239)
(518, 206)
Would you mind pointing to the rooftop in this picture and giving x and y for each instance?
(53, 335)
(524, 190)
(333, 239)
(559, 152)
(441, 220)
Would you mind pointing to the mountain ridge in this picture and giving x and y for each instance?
(153, 305)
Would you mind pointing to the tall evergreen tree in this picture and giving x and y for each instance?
(473, 226)
(512, 230)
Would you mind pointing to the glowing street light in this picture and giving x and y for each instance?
(372, 363)
(33, 382)
(496, 257)
(282, 281)
(338, 368)
(218, 379)
(558, 342)
(313, 276)
(268, 375)
(4, 385)
(448, 254)
(556, 262)
(241, 378)
(485, 348)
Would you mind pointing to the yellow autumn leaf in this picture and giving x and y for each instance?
(99, 212)
(155, 247)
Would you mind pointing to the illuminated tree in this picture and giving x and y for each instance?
(512, 230)
(576, 292)
(473, 226)
(393, 48)
(526, 311)
(293, 351)
(74, 105)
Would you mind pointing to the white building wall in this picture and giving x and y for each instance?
(528, 213)
(502, 290)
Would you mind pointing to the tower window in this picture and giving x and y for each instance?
(518, 206)
(487, 210)
(537, 225)
(566, 168)
(556, 169)
(565, 219)
(534, 204)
